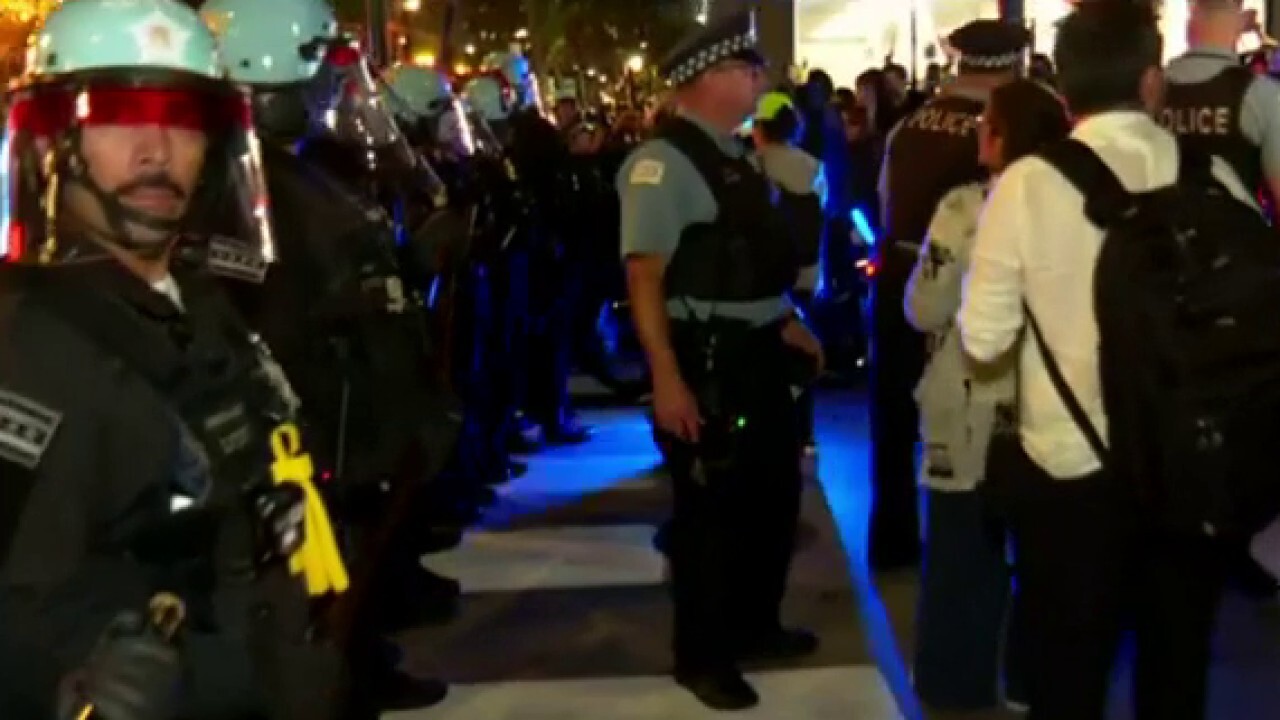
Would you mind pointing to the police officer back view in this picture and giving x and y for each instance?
(136, 440)
(708, 262)
(1219, 107)
(932, 151)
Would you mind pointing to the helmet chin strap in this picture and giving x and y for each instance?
(117, 214)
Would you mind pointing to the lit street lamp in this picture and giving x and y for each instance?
(635, 65)
(407, 10)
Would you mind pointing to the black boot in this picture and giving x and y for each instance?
(400, 691)
(722, 689)
(378, 685)
(414, 596)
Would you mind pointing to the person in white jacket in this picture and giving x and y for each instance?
(965, 583)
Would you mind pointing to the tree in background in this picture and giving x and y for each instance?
(560, 35)
(17, 19)
(564, 34)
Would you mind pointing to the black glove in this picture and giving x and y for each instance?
(132, 674)
(280, 511)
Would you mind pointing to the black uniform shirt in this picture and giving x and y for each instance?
(931, 152)
(92, 457)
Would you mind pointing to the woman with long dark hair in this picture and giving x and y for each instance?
(965, 582)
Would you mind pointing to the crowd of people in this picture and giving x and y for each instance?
(1054, 243)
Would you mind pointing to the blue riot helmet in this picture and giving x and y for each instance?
(488, 103)
(122, 132)
(275, 48)
(347, 107)
(518, 74)
(419, 97)
(354, 130)
(425, 97)
(426, 92)
(489, 97)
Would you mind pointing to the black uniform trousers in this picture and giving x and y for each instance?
(480, 369)
(1092, 570)
(736, 496)
(897, 362)
(557, 290)
(511, 282)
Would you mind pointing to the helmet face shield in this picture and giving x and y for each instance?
(122, 162)
(422, 181)
(353, 112)
(462, 132)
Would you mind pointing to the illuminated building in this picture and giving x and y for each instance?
(846, 37)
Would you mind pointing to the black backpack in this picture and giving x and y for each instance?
(1187, 301)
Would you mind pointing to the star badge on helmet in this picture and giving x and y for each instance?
(160, 39)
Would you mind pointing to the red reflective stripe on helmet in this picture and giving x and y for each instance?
(17, 242)
(42, 115)
(343, 56)
(49, 112)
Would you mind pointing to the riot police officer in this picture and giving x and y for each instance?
(535, 159)
(421, 98)
(709, 260)
(540, 154)
(146, 446)
(336, 313)
(487, 94)
(930, 152)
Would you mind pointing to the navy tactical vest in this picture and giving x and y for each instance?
(746, 253)
(1206, 117)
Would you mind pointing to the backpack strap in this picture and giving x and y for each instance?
(1106, 201)
(1105, 198)
(1069, 399)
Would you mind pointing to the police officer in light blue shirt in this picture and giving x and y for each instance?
(709, 260)
(1217, 106)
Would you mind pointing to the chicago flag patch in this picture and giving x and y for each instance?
(26, 429)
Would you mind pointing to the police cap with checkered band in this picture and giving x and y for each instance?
(730, 38)
(989, 45)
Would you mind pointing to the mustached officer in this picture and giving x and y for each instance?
(147, 445)
(932, 151)
(709, 260)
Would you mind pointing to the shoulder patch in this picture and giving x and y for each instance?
(647, 172)
(233, 259)
(26, 429)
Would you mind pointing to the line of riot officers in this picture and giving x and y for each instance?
(270, 329)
